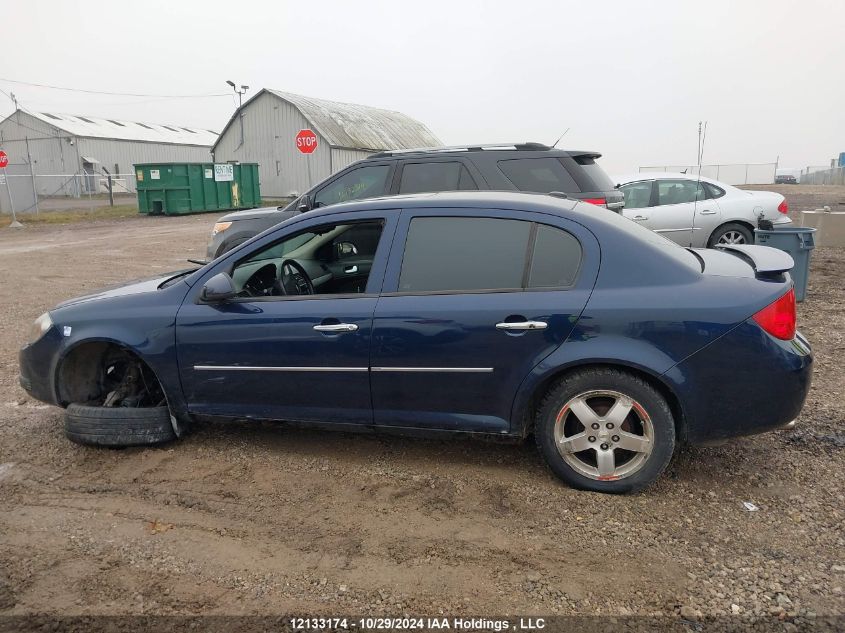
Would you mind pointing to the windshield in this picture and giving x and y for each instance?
(283, 248)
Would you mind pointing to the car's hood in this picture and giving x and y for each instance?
(132, 288)
(249, 214)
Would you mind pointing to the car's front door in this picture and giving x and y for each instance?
(473, 301)
(294, 356)
(369, 180)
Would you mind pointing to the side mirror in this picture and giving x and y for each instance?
(218, 289)
(304, 204)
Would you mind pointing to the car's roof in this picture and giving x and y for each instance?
(659, 175)
(516, 200)
(486, 148)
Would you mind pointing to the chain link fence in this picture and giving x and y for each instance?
(27, 192)
(832, 176)
(732, 174)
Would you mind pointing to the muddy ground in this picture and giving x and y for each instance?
(259, 518)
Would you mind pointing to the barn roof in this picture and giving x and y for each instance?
(95, 127)
(354, 126)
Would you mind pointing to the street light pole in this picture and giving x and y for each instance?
(240, 92)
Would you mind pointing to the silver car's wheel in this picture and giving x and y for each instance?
(731, 237)
(604, 435)
(731, 233)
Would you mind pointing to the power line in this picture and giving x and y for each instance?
(117, 94)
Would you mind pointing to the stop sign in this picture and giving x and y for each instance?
(4, 160)
(306, 141)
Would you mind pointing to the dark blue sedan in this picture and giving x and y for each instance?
(494, 313)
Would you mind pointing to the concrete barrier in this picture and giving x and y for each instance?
(829, 225)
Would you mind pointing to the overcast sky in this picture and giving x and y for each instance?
(630, 79)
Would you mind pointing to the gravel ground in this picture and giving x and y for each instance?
(254, 518)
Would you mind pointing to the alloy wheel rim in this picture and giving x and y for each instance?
(732, 237)
(604, 435)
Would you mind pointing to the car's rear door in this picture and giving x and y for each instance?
(673, 210)
(473, 300)
(437, 174)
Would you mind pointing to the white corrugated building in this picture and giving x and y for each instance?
(346, 132)
(61, 145)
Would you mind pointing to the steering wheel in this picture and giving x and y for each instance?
(261, 283)
(293, 280)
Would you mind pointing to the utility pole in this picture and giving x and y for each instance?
(240, 92)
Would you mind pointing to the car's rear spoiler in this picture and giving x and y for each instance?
(765, 260)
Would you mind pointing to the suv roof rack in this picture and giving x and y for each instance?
(527, 146)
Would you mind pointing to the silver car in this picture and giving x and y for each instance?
(699, 212)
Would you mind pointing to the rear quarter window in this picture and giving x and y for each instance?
(555, 260)
(539, 175)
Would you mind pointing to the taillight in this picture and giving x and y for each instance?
(783, 207)
(598, 201)
(778, 318)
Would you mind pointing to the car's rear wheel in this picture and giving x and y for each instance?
(605, 430)
(118, 426)
(731, 233)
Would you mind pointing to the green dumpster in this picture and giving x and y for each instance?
(798, 242)
(180, 188)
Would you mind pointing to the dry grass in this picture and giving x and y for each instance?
(68, 216)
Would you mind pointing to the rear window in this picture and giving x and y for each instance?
(601, 180)
(539, 175)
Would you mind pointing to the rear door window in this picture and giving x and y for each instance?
(435, 176)
(364, 182)
(678, 191)
(540, 175)
(455, 254)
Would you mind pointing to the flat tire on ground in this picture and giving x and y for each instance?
(118, 426)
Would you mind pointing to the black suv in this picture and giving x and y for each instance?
(510, 167)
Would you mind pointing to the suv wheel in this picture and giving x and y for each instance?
(605, 430)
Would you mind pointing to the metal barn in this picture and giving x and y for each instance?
(346, 132)
(70, 154)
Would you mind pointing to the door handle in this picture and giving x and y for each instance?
(336, 327)
(707, 212)
(522, 325)
(639, 218)
(351, 269)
